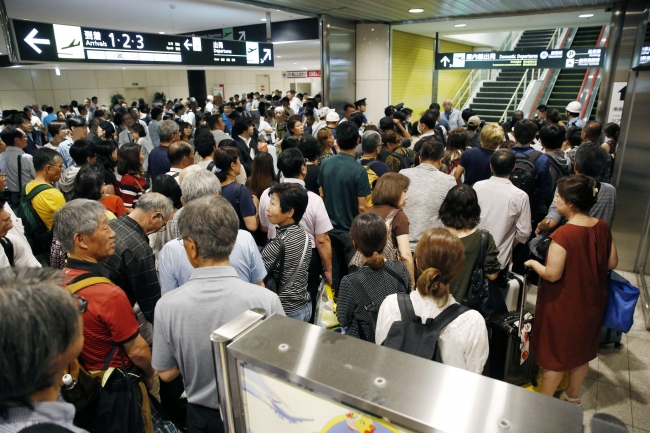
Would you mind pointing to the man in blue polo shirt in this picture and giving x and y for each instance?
(344, 186)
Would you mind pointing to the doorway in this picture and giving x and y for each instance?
(135, 93)
(262, 84)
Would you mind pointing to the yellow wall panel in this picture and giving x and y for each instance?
(449, 82)
(412, 71)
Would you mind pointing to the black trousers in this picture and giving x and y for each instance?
(201, 419)
(342, 252)
(313, 280)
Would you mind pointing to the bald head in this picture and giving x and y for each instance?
(181, 154)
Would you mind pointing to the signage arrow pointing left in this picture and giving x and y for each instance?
(187, 44)
(31, 41)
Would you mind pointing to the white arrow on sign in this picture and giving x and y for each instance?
(445, 60)
(187, 44)
(33, 41)
(242, 36)
(267, 55)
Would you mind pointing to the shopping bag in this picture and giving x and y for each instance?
(326, 308)
(621, 301)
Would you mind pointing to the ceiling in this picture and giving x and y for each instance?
(489, 31)
(398, 10)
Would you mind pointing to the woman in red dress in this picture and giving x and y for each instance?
(573, 289)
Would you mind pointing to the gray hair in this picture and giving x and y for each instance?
(165, 130)
(76, 216)
(447, 100)
(370, 141)
(155, 202)
(212, 223)
(200, 183)
(39, 322)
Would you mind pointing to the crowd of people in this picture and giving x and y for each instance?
(166, 222)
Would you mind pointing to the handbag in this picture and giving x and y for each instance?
(621, 302)
(270, 281)
(478, 293)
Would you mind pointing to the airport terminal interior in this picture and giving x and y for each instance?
(273, 216)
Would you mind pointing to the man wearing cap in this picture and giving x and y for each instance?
(360, 105)
(473, 132)
(453, 116)
(573, 114)
(320, 122)
(332, 120)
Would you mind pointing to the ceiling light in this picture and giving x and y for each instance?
(57, 71)
(586, 16)
(460, 25)
(416, 10)
(295, 63)
(162, 33)
(279, 57)
(263, 19)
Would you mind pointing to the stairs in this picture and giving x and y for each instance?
(570, 80)
(493, 97)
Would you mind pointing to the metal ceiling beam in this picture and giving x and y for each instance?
(264, 5)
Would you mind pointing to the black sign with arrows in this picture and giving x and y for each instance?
(43, 42)
(535, 58)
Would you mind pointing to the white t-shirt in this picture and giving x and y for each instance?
(463, 343)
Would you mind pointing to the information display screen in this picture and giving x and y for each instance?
(43, 42)
(566, 58)
(645, 55)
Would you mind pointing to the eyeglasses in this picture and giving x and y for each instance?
(181, 240)
(3, 176)
(81, 303)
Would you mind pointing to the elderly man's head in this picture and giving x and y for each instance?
(197, 184)
(81, 226)
(153, 212)
(208, 227)
(42, 334)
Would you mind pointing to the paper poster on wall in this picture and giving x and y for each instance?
(617, 102)
(275, 406)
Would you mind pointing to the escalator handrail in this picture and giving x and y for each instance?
(539, 95)
(584, 80)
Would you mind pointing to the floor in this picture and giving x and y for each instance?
(618, 382)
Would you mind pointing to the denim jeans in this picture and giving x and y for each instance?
(304, 314)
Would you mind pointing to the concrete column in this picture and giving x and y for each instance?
(373, 68)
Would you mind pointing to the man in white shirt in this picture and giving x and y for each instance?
(315, 221)
(255, 105)
(505, 211)
(428, 188)
(294, 103)
(454, 117)
(125, 135)
(15, 249)
(208, 104)
(181, 155)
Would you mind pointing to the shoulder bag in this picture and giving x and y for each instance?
(479, 290)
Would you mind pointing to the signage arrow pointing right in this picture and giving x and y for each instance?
(31, 41)
(267, 54)
(445, 61)
(187, 44)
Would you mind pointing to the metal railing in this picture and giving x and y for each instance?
(524, 82)
(473, 81)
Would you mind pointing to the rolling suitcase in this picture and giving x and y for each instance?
(504, 361)
(512, 291)
(611, 336)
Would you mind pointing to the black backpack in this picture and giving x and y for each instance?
(525, 173)
(408, 160)
(412, 336)
(369, 305)
(557, 172)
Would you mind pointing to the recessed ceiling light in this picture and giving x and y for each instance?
(279, 57)
(460, 25)
(295, 63)
(263, 19)
(416, 10)
(585, 16)
(162, 33)
(57, 71)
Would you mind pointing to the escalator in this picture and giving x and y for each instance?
(493, 97)
(570, 80)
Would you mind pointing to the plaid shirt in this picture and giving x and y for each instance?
(133, 266)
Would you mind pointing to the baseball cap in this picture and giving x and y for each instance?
(474, 121)
(323, 112)
(108, 128)
(332, 116)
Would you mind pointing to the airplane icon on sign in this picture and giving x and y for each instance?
(250, 50)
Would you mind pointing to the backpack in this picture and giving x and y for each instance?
(38, 236)
(525, 173)
(372, 180)
(369, 305)
(408, 160)
(390, 252)
(557, 172)
(411, 336)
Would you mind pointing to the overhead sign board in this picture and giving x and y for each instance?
(645, 55)
(566, 58)
(302, 74)
(42, 42)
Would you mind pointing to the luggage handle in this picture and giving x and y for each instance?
(524, 291)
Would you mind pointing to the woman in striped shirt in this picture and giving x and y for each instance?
(129, 166)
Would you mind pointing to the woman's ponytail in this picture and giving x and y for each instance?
(433, 284)
(375, 262)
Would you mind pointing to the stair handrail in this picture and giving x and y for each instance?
(552, 74)
(525, 82)
(588, 99)
(470, 85)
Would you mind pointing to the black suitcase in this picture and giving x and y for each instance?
(611, 336)
(505, 353)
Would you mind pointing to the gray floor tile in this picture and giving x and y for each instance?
(614, 369)
(586, 416)
(640, 377)
(639, 350)
(589, 394)
(610, 349)
(640, 409)
(616, 401)
(593, 369)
